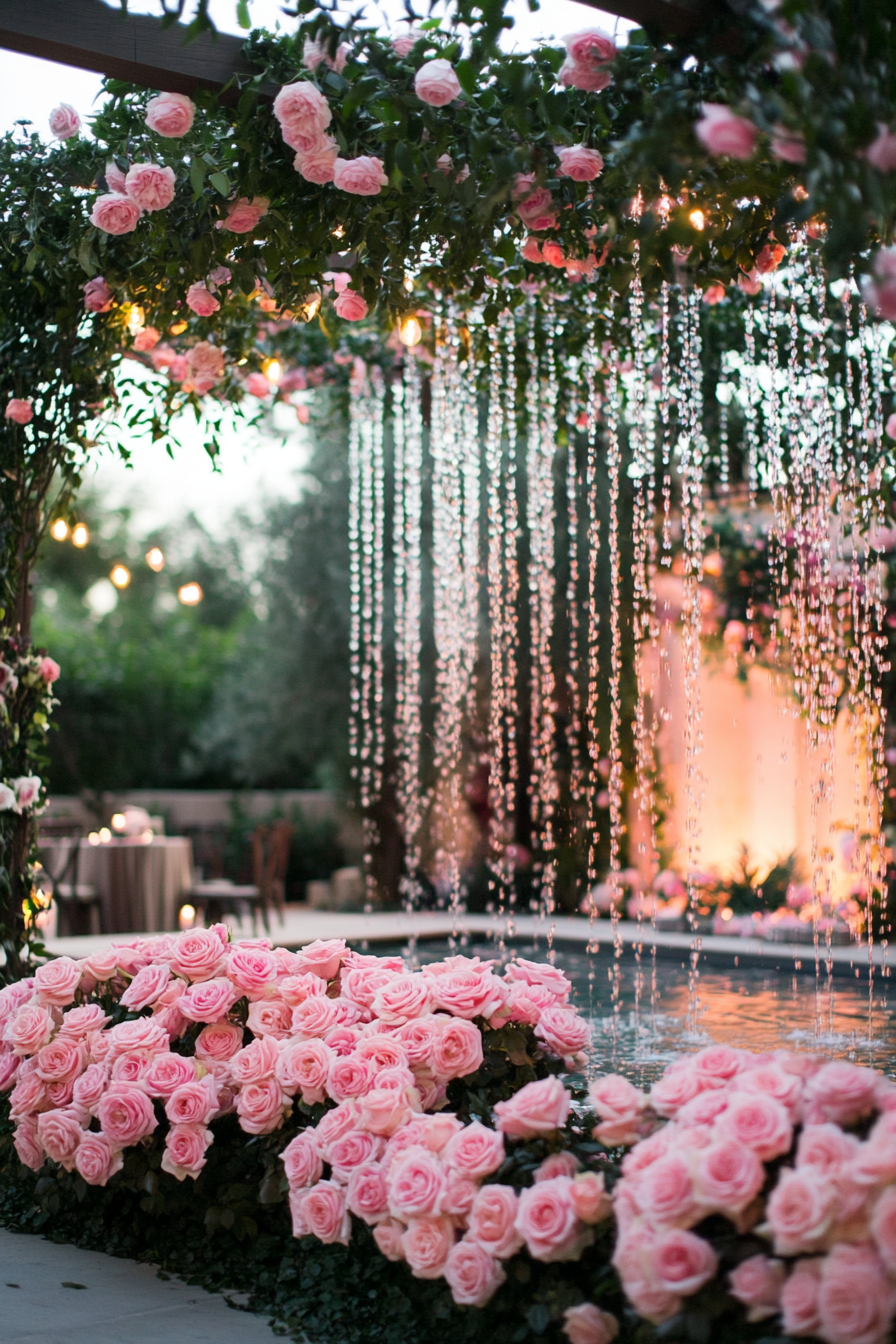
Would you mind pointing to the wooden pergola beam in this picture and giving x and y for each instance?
(678, 20)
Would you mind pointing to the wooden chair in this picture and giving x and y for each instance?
(78, 904)
(216, 898)
(270, 860)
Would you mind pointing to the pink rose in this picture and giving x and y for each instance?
(749, 283)
(131, 1068)
(185, 1149)
(419, 1035)
(531, 251)
(303, 1066)
(799, 1299)
(759, 1122)
(253, 969)
(881, 153)
(388, 1235)
(457, 1051)
(351, 307)
(333, 1125)
(295, 989)
(80, 1021)
(29, 1149)
(349, 1076)
(30, 1029)
(720, 131)
(167, 1073)
(115, 178)
(665, 1191)
(201, 300)
(547, 1222)
(363, 176)
(146, 986)
(788, 145)
(170, 114)
(591, 47)
(143, 1034)
(56, 981)
(800, 1211)
(587, 1324)
(61, 1059)
(97, 1158)
(757, 1284)
(302, 1161)
(243, 215)
(676, 1088)
(563, 1031)
(539, 974)
(89, 1088)
(323, 957)
(198, 953)
(29, 1094)
(269, 1017)
(557, 1164)
(472, 1274)
(361, 984)
(60, 1133)
(205, 365)
(126, 1114)
(475, 1151)
(9, 1068)
(316, 163)
(18, 409)
(728, 1177)
(315, 1017)
(150, 186)
(714, 294)
(257, 385)
(683, 1262)
(436, 84)
(98, 297)
(416, 1183)
(588, 78)
(219, 1041)
(64, 122)
(589, 1198)
(324, 1212)
(304, 115)
(492, 1221)
(840, 1092)
(580, 163)
(856, 1300)
(425, 1246)
(883, 1227)
(769, 259)
(366, 1194)
(101, 965)
(193, 1102)
(827, 1149)
(534, 205)
(538, 1108)
(772, 1081)
(256, 1061)
(260, 1106)
(115, 214)
(404, 997)
(315, 51)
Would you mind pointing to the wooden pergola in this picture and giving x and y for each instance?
(93, 36)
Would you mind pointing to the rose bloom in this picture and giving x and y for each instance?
(89, 1088)
(591, 47)
(547, 1222)
(416, 1183)
(260, 1106)
(29, 1094)
(361, 984)
(538, 1108)
(301, 1161)
(146, 986)
(436, 84)
(757, 1284)
(759, 1122)
(405, 43)
(557, 1164)
(403, 998)
(826, 1148)
(295, 989)
(244, 215)
(426, 1244)
(475, 1151)
(126, 1114)
(580, 163)
(769, 259)
(333, 1124)
(316, 51)
(472, 1274)
(61, 1059)
(56, 981)
(883, 1227)
(30, 1029)
(256, 1061)
(219, 1041)
(840, 1092)
(115, 214)
(362, 176)
(387, 1236)
(856, 1300)
(562, 1030)
(304, 1066)
(143, 1033)
(253, 969)
(315, 1017)
(539, 974)
(772, 1081)
(436, 1131)
(29, 1149)
(323, 957)
(201, 300)
(531, 251)
(97, 1158)
(185, 1149)
(588, 78)
(316, 164)
(683, 1262)
(150, 186)
(587, 1324)
(9, 1067)
(166, 1073)
(18, 409)
(101, 965)
(324, 1212)
(720, 131)
(800, 1211)
(419, 1035)
(304, 115)
(799, 1299)
(589, 1198)
(64, 122)
(193, 1102)
(349, 1076)
(728, 1177)
(457, 1051)
(665, 1191)
(98, 297)
(492, 1221)
(60, 1132)
(881, 153)
(351, 307)
(170, 114)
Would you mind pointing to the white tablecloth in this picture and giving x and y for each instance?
(140, 885)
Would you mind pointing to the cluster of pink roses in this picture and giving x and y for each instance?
(829, 1215)
(323, 1023)
(588, 54)
(146, 187)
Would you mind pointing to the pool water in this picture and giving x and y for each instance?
(643, 1018)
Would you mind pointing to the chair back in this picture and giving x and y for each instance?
(270, 861)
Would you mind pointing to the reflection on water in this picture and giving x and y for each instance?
(640, 1013)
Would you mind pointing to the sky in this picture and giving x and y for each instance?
(252, 467)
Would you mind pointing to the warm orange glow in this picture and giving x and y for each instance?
(272, 370)
(80, 535)
(59, 529)
(698, 220)
(177, 328)
(120, 576)
(311, 308)
(190, 594)
(155, 558)
(410, 331)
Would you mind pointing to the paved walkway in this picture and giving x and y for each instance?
(53, 1294)
(301, 925)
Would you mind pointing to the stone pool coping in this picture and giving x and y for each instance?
(303, 926)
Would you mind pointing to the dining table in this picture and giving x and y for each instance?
(140, 881)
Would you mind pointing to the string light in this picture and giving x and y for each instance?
(310, 308)
(119, 821)
(272, 370)
(410, 331)
(189, 594)
(120, 576)
(136, 319)
(155, 558)
(59, 529)
(698, 220)
(80, 536)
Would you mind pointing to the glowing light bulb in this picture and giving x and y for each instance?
(311, 308)
(186, 916)
(410, 331)
(120, 576)
(177, 328)
(272, 370)
(80, 535)
(698, 220)
(59, 529)
(136, 319)
(155, 558)
(105, 835)
(338, 232)
(408, 284)
(190, 594)
(119, 821)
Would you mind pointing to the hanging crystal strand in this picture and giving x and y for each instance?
(615, 753)
(354, 552)
(574, 662)
(751, 398)
(665, 416)
(407, 550)
(542, 396)
(593, 631)
(501, 875)
(692, 460)
(511, 530)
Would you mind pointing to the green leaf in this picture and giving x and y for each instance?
(242, 14)
(429, 24)
(198, 171)
(467, 76)
(221, 183)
